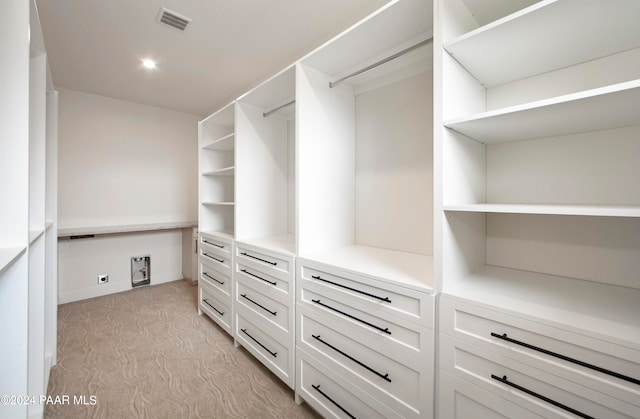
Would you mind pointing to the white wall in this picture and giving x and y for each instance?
(122, 163)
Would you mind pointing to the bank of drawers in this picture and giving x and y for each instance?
(215, 279)
(548, 370)
(372, 336)
(264, 304)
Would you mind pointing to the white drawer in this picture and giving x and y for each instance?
(555, 350)
(215, 277)
(275, 355)
(214, 307)
(538, 391)
(332, 396)
(275, 312)
(215, 258)
(267, 261)
(367, 294)
(260, 277)
(396, 336)
(405, 384)
(459, 399)
(213, 243)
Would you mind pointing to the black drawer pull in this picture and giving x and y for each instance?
(215, 244)
(383, 376)
(317, 388)
(275, 313)
(273, 354)
(385, 330)
(504, 380)
(568, 359)
(259, 277)
(211, 257)
(209, 304)
(210, 277)
(385, 299)
(261, 260)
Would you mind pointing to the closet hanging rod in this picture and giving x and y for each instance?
(265, 114)
(332, 84)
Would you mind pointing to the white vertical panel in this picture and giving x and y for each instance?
(326, 159)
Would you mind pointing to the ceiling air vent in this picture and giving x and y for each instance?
(173, 19)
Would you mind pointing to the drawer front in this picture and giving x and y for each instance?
(275, 312)
(557, 351)
(403, 383)
(275, 355)
(459, 399)
(368, 295)
(215, 277)
(215, 308)
(215, 258)
(215, 244)
(271, 262)
(396, 336)
(538, 391)
(333, 396)
(264, 279)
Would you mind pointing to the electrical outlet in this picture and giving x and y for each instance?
(103, 279)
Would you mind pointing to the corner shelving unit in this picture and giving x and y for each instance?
(539, 144)
(217, 168)
(265, 245)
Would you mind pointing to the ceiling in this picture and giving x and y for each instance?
(96, 46)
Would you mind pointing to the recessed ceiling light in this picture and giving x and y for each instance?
(148, 63)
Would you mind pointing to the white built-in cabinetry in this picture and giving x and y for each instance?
(28, 237)
(503, 179)
(216, 215)
(336, 180)
(365, 217)
(264, 258)
(540, 229)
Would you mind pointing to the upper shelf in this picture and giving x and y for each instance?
(585, 210)
(221, 144)
(8, 255)
(591, 110)
(547, 36)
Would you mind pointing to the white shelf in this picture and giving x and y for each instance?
(606, 310)
(410, 270)
(218, 203)
(8, 255)
(225, 171)
(547, 36)
(584, 210)
(221, 144)
(282, 244)
(126, 228)
(34, 235)
(592, 110)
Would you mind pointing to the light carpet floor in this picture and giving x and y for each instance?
(146, 353)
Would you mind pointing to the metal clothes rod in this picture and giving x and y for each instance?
(332, 84)
(265, 114)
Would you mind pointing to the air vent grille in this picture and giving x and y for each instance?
(173, 19)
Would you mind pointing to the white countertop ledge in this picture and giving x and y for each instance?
(129, 228)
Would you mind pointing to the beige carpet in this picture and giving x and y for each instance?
(146, 353)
